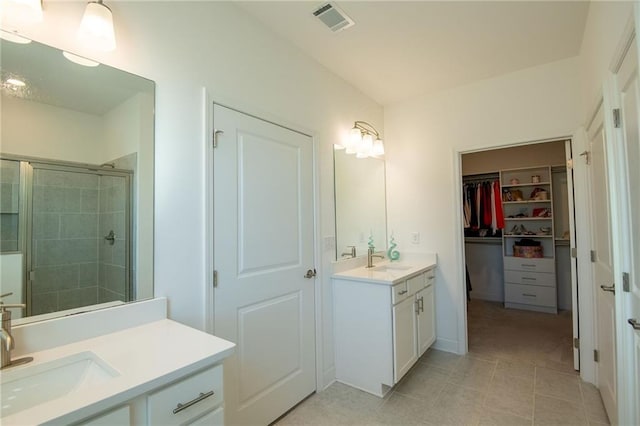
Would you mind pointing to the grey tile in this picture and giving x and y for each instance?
(498, 418)
(557, 384)
(9, 197)
(593, 404)
(423, 382)
(79, 225)
(9, 171)
(511, 394)
(456, 405)
(119, 250)
(46, 226)
(105, 296)
(87, 274)
(553, 411)
(44, 303)
(516, 368)
(473, 372)
(64, 252)
(445, 360)
(54, 278)
(112, 278)
(8, 245)
(401, 410)
(9, 231)
(69, 299)
(89, 200)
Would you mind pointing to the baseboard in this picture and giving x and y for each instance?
(328, 377)
(446, 345)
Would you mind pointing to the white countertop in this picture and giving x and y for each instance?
(380, 274)
(146, 356)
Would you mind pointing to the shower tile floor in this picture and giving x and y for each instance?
(519, 371)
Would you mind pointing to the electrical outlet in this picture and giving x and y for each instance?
(415, 238)
(362, 237)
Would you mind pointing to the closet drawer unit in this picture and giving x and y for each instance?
(530, 278)
(530, 295)
(531, 265)
(186, 400)
(399, 292)
(415, 284)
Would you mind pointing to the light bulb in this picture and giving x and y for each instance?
(96, 27)
(378, 148)
(355, 139)
(365, 147)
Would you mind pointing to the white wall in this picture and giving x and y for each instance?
(423, 136)
(184, 46)
(61, 134)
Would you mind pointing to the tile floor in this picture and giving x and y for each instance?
(519, 371)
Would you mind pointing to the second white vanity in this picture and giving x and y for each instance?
(384, 321)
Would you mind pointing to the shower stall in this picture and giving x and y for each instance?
(70, 227)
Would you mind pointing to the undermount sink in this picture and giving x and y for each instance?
(390, 268)
(29, 386)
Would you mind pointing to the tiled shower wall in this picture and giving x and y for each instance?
(74, 265)
(65, 240)
(112, 257)
(9, 197)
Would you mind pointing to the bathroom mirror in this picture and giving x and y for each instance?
(360, 201)
(76, 174)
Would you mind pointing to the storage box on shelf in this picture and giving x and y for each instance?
(528, 239)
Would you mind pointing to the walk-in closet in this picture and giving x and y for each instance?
(518, 216)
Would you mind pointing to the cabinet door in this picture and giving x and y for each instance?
(214, 418)
(119, 416)
(426, 319)
(405, 346)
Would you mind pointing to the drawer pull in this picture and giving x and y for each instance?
(429, 286)
(530, 279)
(431, 277)
(403, 292)
(186, 405)
(529, 295)
(527, 265)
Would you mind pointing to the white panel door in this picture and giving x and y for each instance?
(603, 267)
(405, 346)
(263, 247)
(574, 260)
(629, 88)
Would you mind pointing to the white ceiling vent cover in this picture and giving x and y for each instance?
(333, 17)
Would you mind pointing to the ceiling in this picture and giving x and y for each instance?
(398, 50)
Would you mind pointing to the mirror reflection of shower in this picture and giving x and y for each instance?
(69, 226)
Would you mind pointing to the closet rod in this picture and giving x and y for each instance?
(474, 179)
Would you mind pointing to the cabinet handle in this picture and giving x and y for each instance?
(530, 279)
(429, 286)
(431, 277)
(527, 265)
(417, 305)
(186, 405)
(421, 304)
(403, 292)
(529, 295)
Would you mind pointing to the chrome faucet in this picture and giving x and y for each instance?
(351, 252)
(370, 257)
(7, 342)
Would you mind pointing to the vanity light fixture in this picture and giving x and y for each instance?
(362, 143)
(13, 37)
(96, 28)
(15, 82)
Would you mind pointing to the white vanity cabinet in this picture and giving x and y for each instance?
(193, 400)
(382, 326)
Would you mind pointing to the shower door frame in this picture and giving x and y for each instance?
(25, 227)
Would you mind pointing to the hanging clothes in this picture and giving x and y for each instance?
(498, 207)
(482, 208)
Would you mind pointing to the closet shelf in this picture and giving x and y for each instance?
(527, 218)
(526, 202)
(525, 184)
(483, 240)
(527, 236)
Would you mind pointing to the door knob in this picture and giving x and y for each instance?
(633, 323)
(310, 273)
(611, 288)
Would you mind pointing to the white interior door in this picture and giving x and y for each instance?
(603, 266)
(574, 261)
(263, 247)
(628, 85)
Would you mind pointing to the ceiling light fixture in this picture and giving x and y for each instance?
(23, 11)
(80, 60)
(361, 141)
(96, 28)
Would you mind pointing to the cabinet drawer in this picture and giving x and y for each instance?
(161, 404)
(416, 284)
(430, 277)
(399, 292)
(530, 295)
(530, 278)
(215, 418)
(526, 264)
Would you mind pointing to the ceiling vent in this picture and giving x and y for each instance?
(333, 17)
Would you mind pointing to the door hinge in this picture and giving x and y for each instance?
(574, 252)
(616, 118)
(216, 132)
(215, 278)
(625, 282)
(570, 164)
(594, 258)
(587, 157)
(596, 355)
(576, 342)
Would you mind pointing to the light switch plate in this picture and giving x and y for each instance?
(329, 243)
(415, 238)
